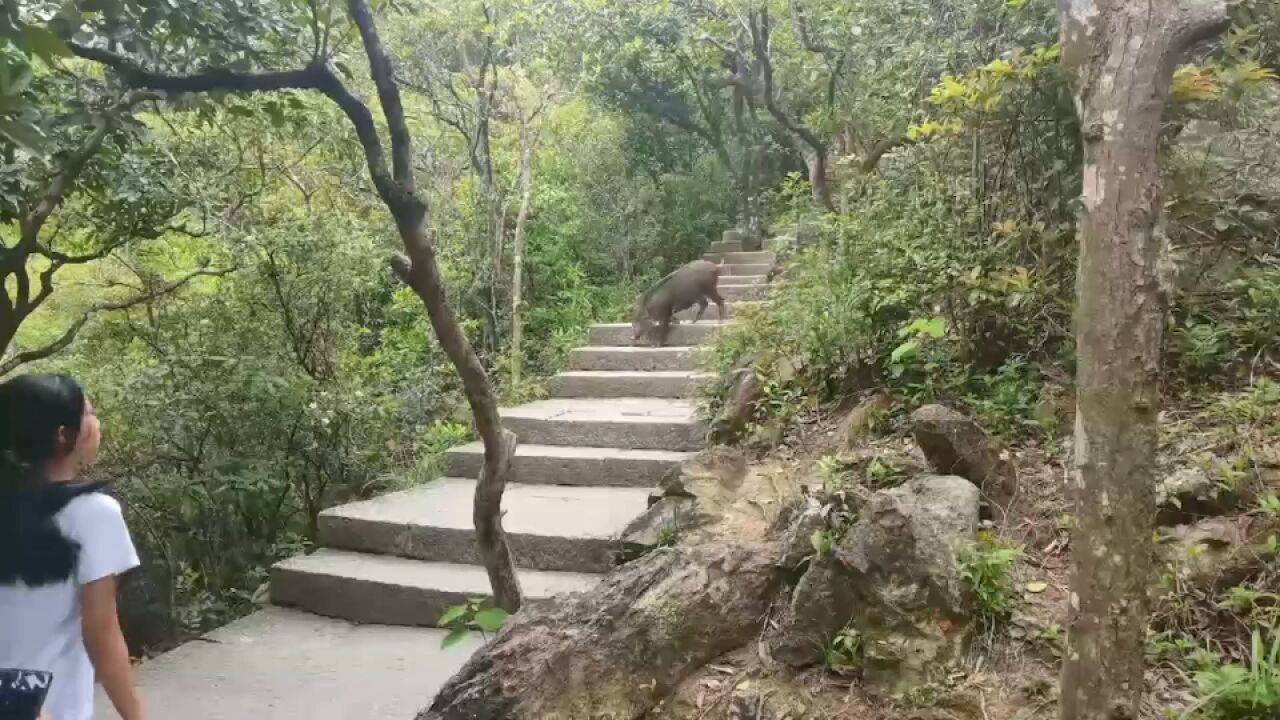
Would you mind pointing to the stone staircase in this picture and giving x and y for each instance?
(615, 423)
(387, 568)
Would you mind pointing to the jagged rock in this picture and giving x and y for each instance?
(856, 425)
(1218, 553)
(618, 649)
(745, 391)
(797, 541)
(1189, 494)
(822, 605)
(892, 577)
(662, 524)
(955, 444)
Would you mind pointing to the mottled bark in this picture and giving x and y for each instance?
(1121, 56)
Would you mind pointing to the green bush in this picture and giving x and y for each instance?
(1229, 691)
(986, 566)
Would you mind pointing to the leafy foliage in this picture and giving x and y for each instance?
(475, 615)
(1243, 692)
(986, 567)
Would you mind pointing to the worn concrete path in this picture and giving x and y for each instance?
(280, 664)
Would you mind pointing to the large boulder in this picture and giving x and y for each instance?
(955, 444)
(616, 650)
(893, 578)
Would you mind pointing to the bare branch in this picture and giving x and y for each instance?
(134, 75)
(388, 93)
(882, 148)
(760, 43)
(69, 336)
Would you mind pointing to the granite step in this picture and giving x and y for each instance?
(619, 384)
(745, 270)
(389, 590)
(731, 309)
(641, 358)
(550, 527)
(641, 423)
(571, 465)
(759, 257)
(683, 334)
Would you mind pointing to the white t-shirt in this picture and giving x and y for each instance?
(40, 627)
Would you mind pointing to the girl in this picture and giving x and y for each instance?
(62, 544)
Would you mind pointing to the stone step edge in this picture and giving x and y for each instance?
(384, 589)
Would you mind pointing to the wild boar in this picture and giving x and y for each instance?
(692, 283)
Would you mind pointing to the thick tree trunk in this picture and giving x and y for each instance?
(517, 256)
(1121, 56)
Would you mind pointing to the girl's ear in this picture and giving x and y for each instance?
(65, 442)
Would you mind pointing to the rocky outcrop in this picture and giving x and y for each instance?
(617, 650)
(893, 578)
(1215, 554)
(955, 444)
(744, 393)
(666, 520)
(1189, 494)
(857, 425)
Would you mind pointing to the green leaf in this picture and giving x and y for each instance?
(452, 615)
(905, 350)
(454, 637)
(22, 133)
(44, 43)
(491, 619)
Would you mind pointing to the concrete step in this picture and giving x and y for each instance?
(386, 590)
(279, 664)
(733, 292)
(619, 384)
(730, 310)
(745, 270)
(759, 257)
(640, 423)
(721, 246)
(743, 280)
(683, 334)
(549, 527)
(572, 465)
(635, 359)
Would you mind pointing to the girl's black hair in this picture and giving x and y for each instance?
(33, 550)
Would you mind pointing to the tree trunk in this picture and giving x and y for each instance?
(517, 255)
(1121, 56)
(421, 272)
(816, 159)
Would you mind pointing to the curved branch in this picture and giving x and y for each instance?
(134, 75)
(760, 43)
(882, 148)
(70, 334)
(388, 94)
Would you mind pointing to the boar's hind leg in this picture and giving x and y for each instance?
(719, 301)
(702, 307)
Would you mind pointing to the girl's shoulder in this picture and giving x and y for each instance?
(86, 503)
